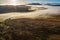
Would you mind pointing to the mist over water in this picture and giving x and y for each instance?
(51, 10)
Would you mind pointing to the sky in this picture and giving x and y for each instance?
(53, 1)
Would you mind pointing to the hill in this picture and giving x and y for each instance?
(30, 29)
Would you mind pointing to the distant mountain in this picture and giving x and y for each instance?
(34, 4)
(53, 4)
(50, 4)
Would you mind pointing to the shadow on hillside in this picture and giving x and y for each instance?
(22, 11)
(8, 9)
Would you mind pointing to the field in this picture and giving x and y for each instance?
(30, 29)
(37, 23)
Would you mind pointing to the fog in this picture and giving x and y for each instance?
(51, 10)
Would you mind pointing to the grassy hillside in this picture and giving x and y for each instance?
(30, 29)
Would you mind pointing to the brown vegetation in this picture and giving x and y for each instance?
(29, 29)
